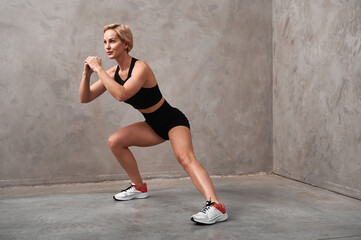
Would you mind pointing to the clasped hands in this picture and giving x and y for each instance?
(94, 63)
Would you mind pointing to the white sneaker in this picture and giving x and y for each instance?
(133, 191)
(211, 213)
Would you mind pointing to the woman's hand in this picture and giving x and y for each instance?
(94, 63)
(87, 70)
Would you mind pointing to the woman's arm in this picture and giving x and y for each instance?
(119, 92)
(88, 93)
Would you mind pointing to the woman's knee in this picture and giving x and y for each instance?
(117, 140)
(112, 142)
(185, 158)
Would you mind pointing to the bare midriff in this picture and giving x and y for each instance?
(152, 108)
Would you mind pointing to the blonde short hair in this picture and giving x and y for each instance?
(123, 32)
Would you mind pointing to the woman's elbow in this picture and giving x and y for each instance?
(83, 100)
(121, 97)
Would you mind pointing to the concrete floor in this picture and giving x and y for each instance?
(259, 207)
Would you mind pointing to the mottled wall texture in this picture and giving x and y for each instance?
(317, 93)
(212, 59)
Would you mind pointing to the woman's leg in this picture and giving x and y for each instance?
(181, 140)
(138, 134)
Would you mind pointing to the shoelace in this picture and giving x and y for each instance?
(207, 206)
(129, 188)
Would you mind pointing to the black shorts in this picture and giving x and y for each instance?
(164, 119)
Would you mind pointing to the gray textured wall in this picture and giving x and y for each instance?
(213, 60)
(317, 93)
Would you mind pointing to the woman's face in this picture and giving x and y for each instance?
(113, 46)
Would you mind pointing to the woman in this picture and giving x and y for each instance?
(162, 122)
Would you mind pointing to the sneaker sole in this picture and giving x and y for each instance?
(220, 218)
(138, 196)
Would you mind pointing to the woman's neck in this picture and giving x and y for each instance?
(124, 61)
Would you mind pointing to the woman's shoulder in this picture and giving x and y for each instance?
(141, 68)
(140, 62)
(141, 65)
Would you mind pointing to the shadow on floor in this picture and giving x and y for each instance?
(259, 207)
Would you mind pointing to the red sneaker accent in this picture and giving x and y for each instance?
(141, 189)
(220, 207)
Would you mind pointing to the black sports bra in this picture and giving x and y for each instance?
(145, 97)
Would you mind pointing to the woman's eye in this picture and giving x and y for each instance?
(110, 41)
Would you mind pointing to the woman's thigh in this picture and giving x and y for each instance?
(181, 140)
(137, 134)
